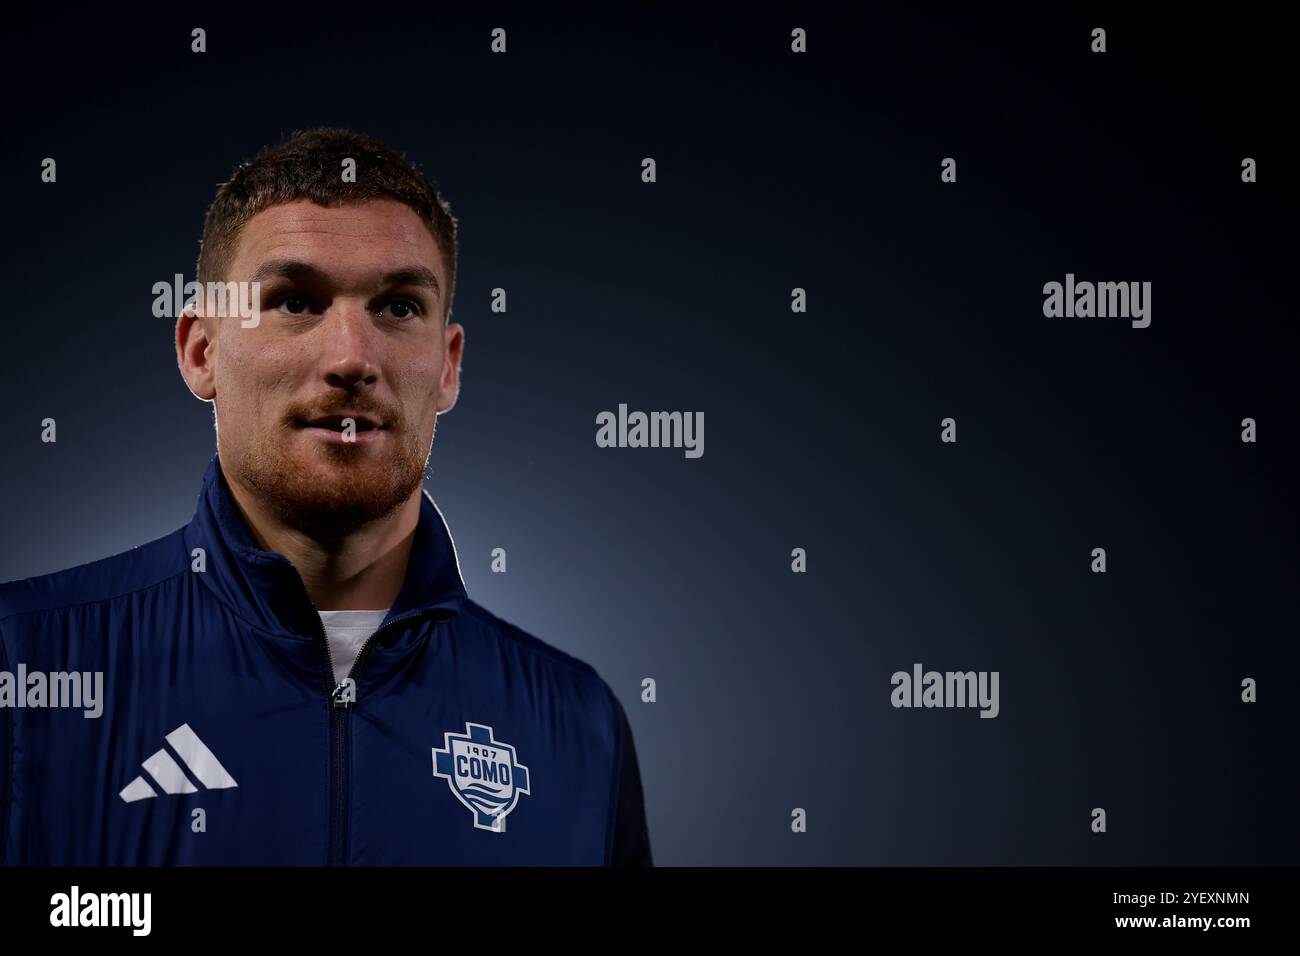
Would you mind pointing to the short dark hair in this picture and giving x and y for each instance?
(309, 165)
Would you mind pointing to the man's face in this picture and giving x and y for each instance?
(351, 326)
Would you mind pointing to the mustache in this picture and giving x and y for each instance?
(388, 417)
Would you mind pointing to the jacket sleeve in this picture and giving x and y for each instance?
(631, 842)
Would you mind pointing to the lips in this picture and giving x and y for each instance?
(364, 423)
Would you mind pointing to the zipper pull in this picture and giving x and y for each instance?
(345, 693)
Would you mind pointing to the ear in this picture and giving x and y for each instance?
(195, 353)
(449, 385)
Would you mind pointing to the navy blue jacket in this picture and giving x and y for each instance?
(460, 739)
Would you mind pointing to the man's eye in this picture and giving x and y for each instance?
(294, 304)
(402, 308)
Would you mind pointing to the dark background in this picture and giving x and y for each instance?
(775, 170)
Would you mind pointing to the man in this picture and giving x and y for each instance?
(297, 676)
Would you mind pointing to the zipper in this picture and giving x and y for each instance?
(340, 708)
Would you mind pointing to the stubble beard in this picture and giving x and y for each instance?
(329, 489)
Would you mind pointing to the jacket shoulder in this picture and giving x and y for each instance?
(533, 646)
(95, 581)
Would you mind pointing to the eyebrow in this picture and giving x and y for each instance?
(307, 273)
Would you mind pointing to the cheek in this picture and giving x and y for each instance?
(250, 379)
(417, 388)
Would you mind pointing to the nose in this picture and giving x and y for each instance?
(348, 358)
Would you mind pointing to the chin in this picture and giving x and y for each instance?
(335, 491)
(337, 505)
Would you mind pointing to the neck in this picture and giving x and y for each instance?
(363, 569)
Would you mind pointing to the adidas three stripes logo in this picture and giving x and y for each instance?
(167, 773)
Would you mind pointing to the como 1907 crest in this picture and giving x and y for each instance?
(482, 773)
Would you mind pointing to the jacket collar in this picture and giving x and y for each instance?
(264, 588)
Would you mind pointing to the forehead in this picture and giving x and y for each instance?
(376, 234)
